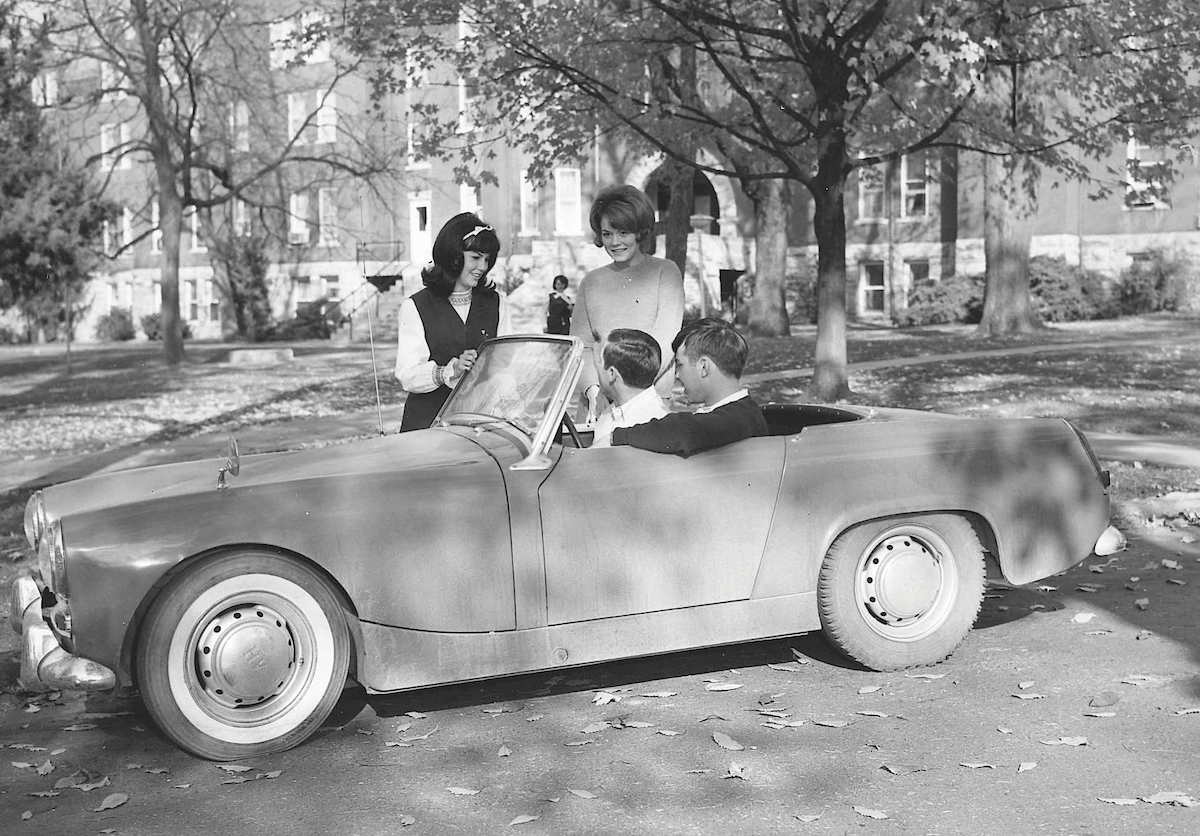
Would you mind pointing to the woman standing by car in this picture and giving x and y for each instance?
(636, 291)
(442, 325)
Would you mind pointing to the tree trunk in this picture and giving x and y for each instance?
(830, 378)
(768, 306)
(678, 179)
(1008, 232)
(171, 223)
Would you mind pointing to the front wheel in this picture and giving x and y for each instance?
(902, 592)
(243, 655)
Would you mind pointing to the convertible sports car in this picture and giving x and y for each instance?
(239, 594)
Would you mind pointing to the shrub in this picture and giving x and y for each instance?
(152, 326)
(1163, 282)
(309, 323)
(1064, 292)
(116, 326)
(937, 302)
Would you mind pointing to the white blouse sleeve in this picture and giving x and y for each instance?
(414, 369)
(504, 325)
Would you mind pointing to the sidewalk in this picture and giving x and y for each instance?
(39, 473)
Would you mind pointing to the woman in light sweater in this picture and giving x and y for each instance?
(636, 291)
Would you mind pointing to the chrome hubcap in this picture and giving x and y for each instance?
(245, 656)
(900, 580)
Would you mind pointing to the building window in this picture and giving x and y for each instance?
(468, 101)
(242, 226)
(126, 226)
(191, 305)
(1147, 172)
(299, 40)
(918, 271)
(239, 126)
(327, 119)
(469, 197)
(114, 139)
(111, 80)
(327, 217)
(331, 288)
(568, 203)
(194, 227)
(156, 236)
(416, 159)
(871, 182)
(304, 289)
(298, 218)
(529, 205)
(914, 189)
(872, 287)
(300, 129)
(420, 233)
(45, 90)
(214, 302)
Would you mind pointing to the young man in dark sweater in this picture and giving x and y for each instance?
(709, 358)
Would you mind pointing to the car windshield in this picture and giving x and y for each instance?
(513, 381)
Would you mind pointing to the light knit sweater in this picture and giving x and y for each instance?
(647, 296)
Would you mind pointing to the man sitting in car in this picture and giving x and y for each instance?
(709, 359)
(631, 360)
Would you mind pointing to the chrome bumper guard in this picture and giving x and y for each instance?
(1110, 541)
(45, 666)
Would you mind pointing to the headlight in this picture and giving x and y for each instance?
(52, 559)
(35, 520)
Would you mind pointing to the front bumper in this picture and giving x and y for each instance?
(45, 666)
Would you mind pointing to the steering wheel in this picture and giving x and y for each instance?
(570, 425)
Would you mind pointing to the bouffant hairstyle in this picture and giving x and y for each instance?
(461, 233)
(627, 208)
(635, 354)
(715, 339)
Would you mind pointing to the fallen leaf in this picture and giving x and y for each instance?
(713, 717)
(44, 793)
(364, 731)
(668, 732)
(1026, 766)
(581, 793)
(1004, 730)
(636, 724)
(1030, 696)
(45, 769)
(592, 728)
(157, 771)
(1083, 617)
(1144, 679)
(503, 708)
(234, 767)
(1177, 581)
(406, 820)
(788, 667)
(722, 686)
(416, 715)
(924, 676)
(272, 775)
(1120, 801)
(21, 764)
(871, 814)
(1171, 564)
(1171, 797)
(660, 694)
(237, 779)
(461, 791)
(1184, 711)
(181, 786)
(1067, 741)
(604, 698)
(833, 724)
(577, 742)
(409, 738)
(1029, 683)
(1142, 603)
(1104, 699)
(870, 713)
(504, 752)
(726, 742)
(1099, 570)
(398, 743)
(1097, 632)
(870, 689)
(799, 657)
(1099, 714)
(1087, 588)
(112, 801)
(27, 815)
(808, 819)
(736, 770)
(80, 727)
(94, 785)
(523, 820)
(978, 765)
(1143, 634)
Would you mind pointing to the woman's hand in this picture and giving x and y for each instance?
(467, 359)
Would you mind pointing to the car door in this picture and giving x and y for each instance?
(628, 531)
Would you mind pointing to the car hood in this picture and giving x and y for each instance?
(407, 451)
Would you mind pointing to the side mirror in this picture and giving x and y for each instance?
(232, 466)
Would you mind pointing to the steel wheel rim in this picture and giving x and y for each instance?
(906, 583)
(270, 709)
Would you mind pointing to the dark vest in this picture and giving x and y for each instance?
(447, 337)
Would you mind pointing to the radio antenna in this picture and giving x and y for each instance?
(374, 369)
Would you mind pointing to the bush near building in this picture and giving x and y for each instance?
(152, 325)
(116, 326)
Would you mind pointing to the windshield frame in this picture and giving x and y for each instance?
(547, 430)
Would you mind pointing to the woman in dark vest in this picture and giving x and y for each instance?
(442, 326)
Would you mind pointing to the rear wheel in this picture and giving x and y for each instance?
(242, 655)
(902, 592)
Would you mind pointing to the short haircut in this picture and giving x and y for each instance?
(635, 354)
(559, 280)
(627, 208)
(715, 339)
(464, 232)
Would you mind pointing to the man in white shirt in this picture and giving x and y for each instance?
(632, 360)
